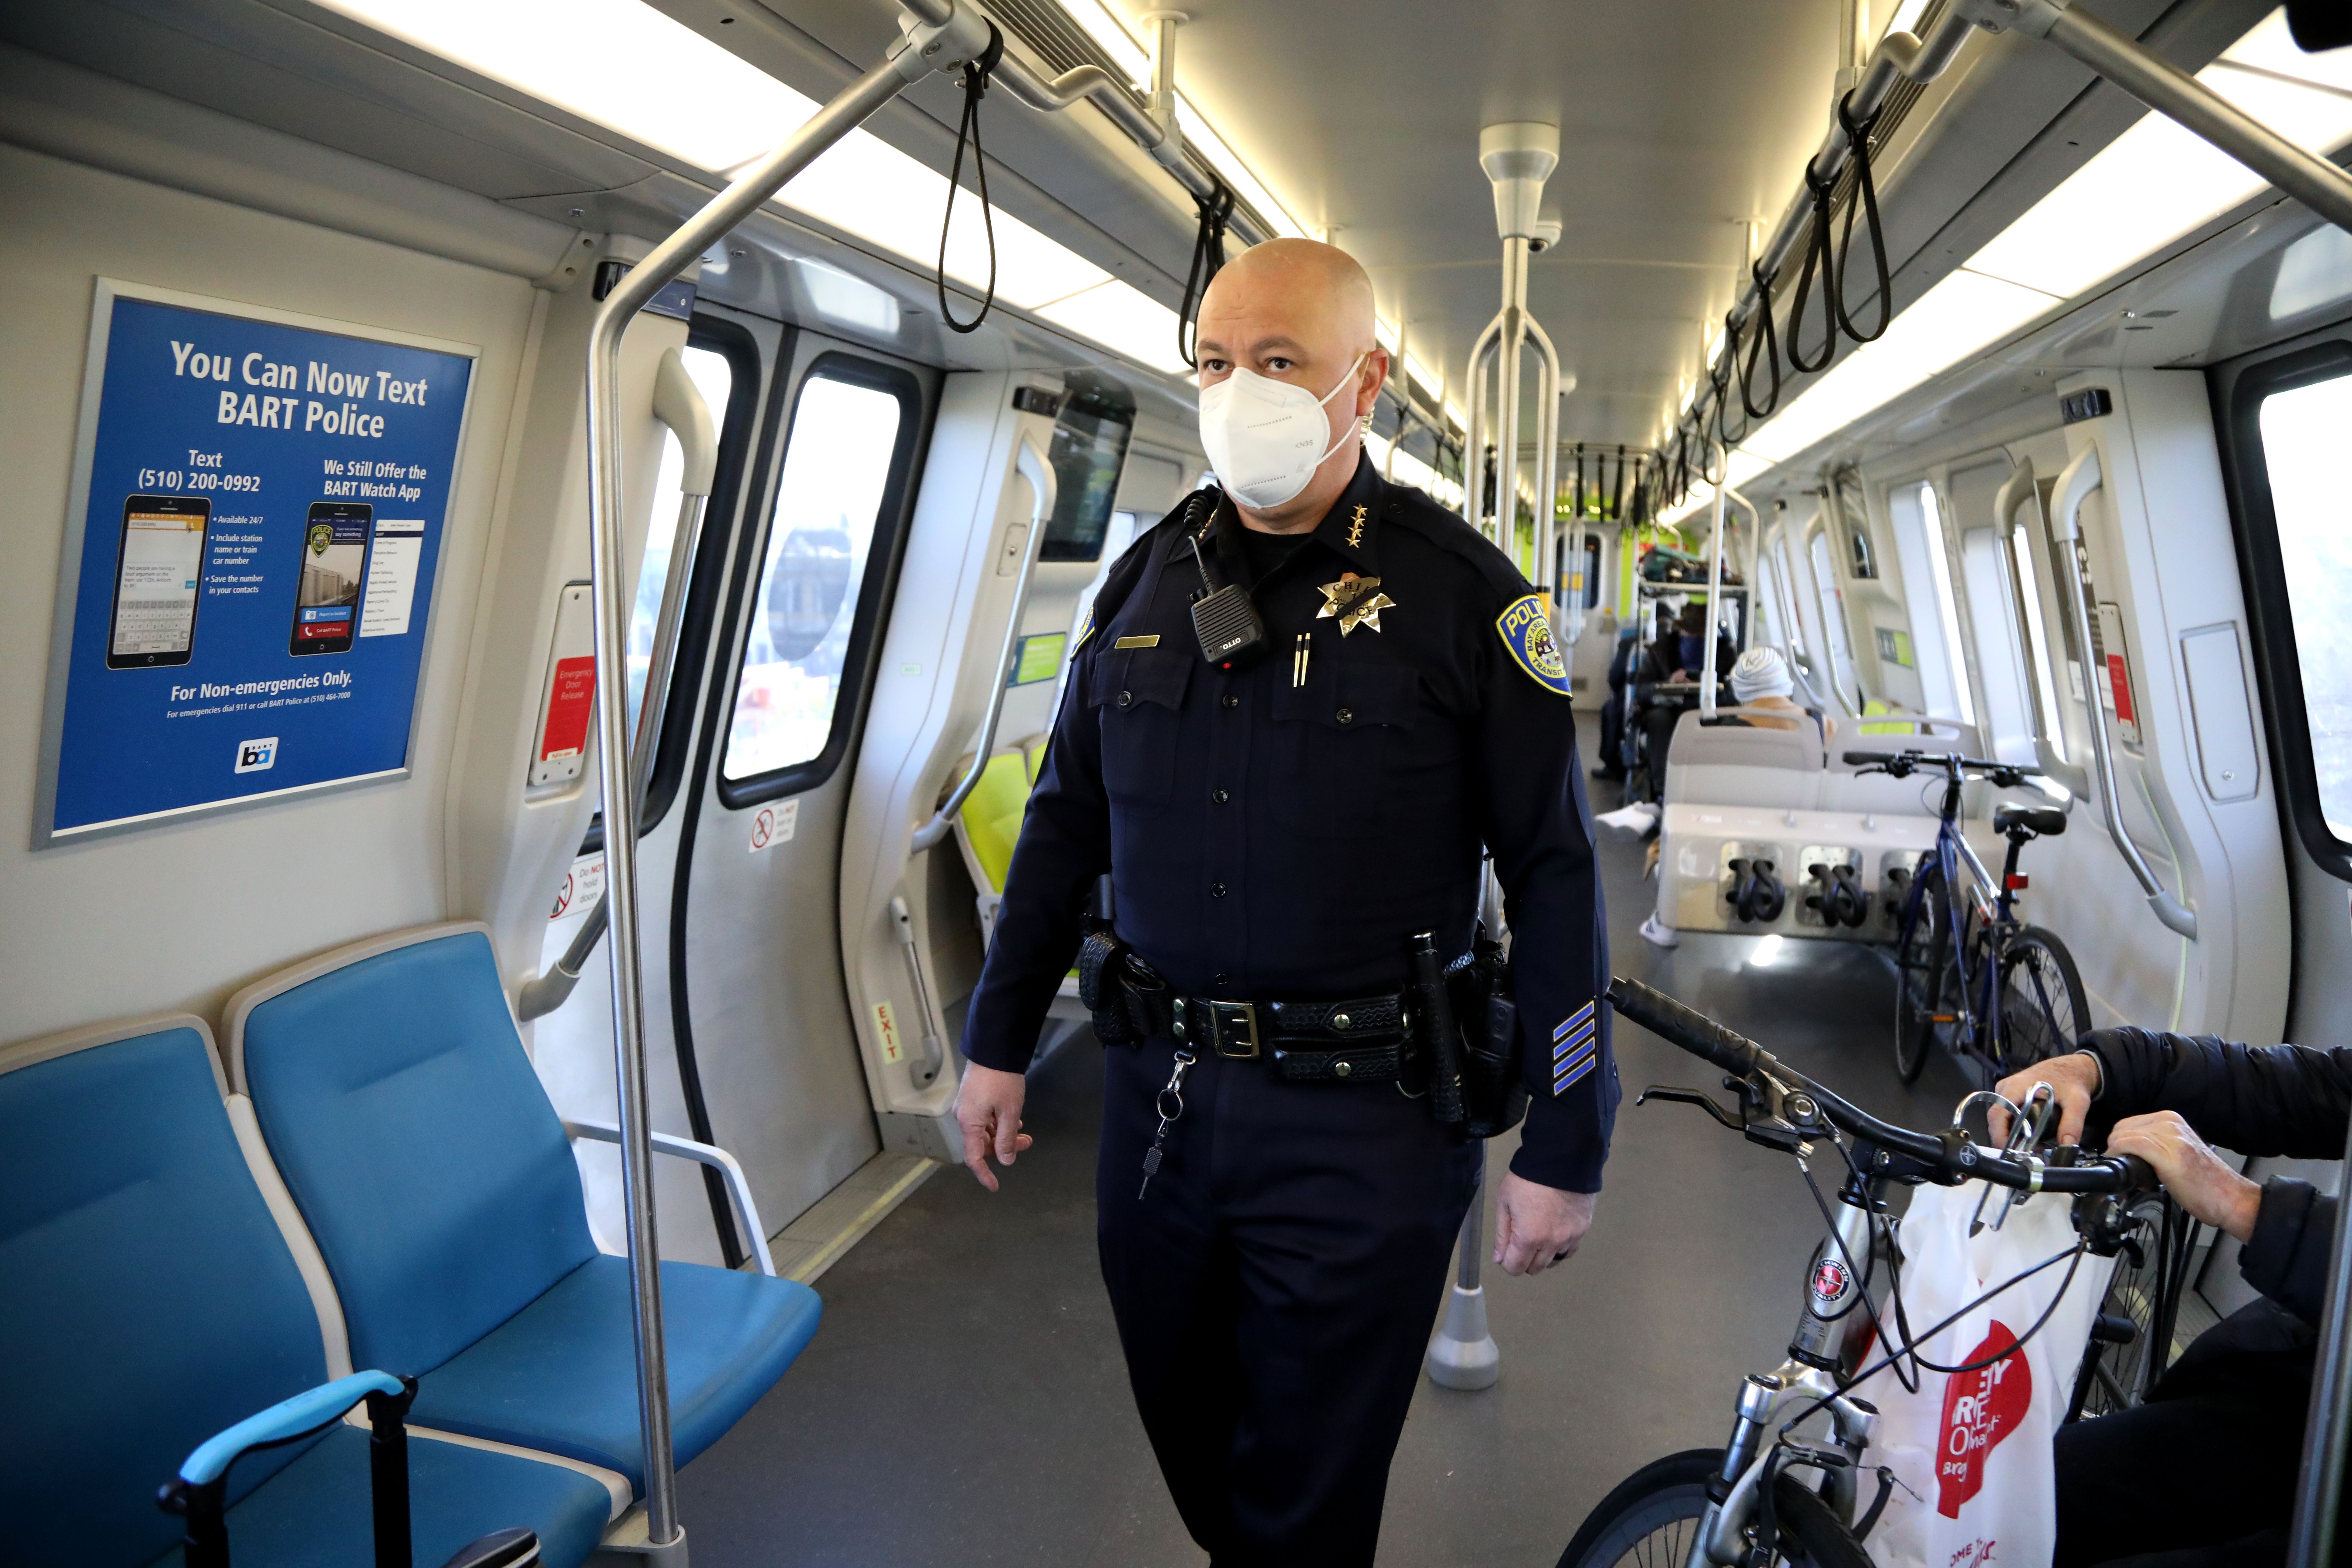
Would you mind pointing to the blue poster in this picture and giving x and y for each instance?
(250, 562)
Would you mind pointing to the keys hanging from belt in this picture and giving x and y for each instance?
(1171, 1110)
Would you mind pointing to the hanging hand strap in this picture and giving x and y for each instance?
(975, 87)
(1866, 197)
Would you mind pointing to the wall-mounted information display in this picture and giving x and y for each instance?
(250, 550)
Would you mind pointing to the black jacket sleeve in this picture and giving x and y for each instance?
(1539, 830)
(2286, 1257)
(2288, 1100)
(2285, 1100)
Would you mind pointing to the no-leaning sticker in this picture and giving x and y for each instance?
(774, 825)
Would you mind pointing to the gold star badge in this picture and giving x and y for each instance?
(1355, 534)
(1355, 600)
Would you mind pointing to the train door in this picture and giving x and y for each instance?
(748, 1031)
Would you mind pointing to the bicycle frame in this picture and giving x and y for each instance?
(1817, 1352)
(1980, 1023)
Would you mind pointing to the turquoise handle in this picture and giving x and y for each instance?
(287, 1419)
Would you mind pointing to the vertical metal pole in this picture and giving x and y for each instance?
(1714, 587)
(611, 595)
(1547, 482)
(1506, 399)
(1463, 1355)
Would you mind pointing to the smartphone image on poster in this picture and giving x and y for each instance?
(158, 565)
(334, 569)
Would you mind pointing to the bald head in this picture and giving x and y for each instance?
(1297, 312)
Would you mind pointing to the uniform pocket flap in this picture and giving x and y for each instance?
(1138, 675)
(1357, 696)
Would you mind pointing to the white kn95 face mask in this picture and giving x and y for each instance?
(1266, 437)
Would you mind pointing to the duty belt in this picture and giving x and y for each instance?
(1360, 1039)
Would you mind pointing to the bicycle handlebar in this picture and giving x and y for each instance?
(1907, 761)
(1952, 1157)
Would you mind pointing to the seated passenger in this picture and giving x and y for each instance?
(1612, 712)
(1681, 658)
(2204, 1472)
(1762, 686)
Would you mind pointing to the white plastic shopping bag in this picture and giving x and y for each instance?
(1971, 1449)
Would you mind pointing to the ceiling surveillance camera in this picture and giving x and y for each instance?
(1547, 235)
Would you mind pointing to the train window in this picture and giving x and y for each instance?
(1090, 449)
(714, 378)
(1992, 620)
(844, 461)
(1927, 566)
(2306, 472)
(2038, 645)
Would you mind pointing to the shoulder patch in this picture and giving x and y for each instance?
(1526, 632)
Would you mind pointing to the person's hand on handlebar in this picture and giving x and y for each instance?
(2075, 1078)
(2190, 1170)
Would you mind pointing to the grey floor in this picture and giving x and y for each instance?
(965, 1402)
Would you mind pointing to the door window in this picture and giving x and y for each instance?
(844, 464)
(2309, 472)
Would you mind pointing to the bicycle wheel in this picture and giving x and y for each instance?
(1925, 987)
(1653, 1517)
(2123, 1359)
(2042, 1009)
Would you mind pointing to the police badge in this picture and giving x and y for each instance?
(1526, 632)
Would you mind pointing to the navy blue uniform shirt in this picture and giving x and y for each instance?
(1273, 837)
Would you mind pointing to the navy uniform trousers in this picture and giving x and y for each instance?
(1274, 1285)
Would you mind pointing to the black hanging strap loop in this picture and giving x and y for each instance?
(975, 87)
(1216, 210)
(1818, 258)
(1766, 346)
(1857, 135)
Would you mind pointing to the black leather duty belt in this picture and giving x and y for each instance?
(1363, 1039)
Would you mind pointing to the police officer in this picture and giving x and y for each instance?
(1275, 829)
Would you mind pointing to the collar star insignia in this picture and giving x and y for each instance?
(1356, 533)
(1354, 601)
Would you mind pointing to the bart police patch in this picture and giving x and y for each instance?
(1526, 632)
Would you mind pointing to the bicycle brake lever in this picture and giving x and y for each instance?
(1699, 1098)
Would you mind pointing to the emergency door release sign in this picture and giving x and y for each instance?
(250, 550)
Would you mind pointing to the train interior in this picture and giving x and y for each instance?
(2069, 512)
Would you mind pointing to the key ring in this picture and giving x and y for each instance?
(1175, 1090)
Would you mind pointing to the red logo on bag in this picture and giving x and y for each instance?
(1980, 1408)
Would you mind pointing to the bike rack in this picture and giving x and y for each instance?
(2076, 486)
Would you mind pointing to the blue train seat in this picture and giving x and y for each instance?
(394, 1091)
(153, 1300)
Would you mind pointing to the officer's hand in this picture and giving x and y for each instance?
(2190, 1170)
(988, 1107)
(1537, 1226)
(2076, 1080)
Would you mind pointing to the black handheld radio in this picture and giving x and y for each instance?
(1224, 617)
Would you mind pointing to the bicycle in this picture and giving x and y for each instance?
(1998, 994)
(1744, 1504)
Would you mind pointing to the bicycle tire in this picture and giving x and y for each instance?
(1650, 1517)
(2115, 1377)
(1923, 959)
(2040, 1019)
